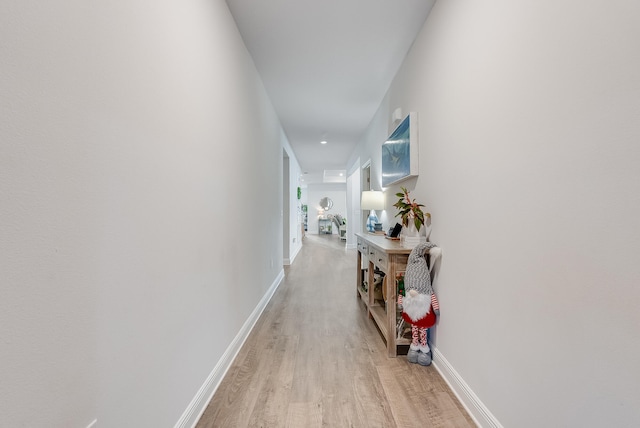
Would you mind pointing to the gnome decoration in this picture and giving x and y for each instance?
(419, 305)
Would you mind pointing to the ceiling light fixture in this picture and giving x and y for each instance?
(323, 142)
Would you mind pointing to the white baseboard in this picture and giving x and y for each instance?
(194, 411)
(476, 408)
(289, 261)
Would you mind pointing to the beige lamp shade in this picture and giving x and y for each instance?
(372, 200)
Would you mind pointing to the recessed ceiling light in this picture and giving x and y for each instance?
(323, 142)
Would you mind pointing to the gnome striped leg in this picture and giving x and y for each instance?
(415, 336)
(423, 338)
(424, 356)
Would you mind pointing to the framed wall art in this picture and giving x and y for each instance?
(400, 152)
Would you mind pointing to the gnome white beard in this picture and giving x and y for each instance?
(416, 307)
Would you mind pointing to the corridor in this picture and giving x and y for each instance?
(315, 360)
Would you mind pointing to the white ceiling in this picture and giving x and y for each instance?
(326, 65)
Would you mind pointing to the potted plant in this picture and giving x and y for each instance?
(410, 211)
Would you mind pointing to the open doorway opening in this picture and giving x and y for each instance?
(353, 205)
(286, 208)
(365, 174)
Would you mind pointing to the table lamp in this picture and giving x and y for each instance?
(372, 200)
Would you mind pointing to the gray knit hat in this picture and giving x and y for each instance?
(417, 274)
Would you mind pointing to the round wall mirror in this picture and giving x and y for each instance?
(326, 203)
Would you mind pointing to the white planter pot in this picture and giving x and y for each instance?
(410, 236)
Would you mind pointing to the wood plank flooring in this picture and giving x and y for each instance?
(315, 360)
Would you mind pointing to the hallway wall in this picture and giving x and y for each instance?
(132, 136)
(529, 165)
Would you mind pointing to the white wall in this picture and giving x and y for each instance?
(529, 164)
(135, 141)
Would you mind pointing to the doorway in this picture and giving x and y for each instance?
(366, 185)
(286, 209)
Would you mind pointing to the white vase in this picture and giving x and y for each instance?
(411, 229)
(411, 237)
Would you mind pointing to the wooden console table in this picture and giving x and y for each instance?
(375, 252)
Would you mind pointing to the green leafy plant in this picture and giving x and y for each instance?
(410, 210)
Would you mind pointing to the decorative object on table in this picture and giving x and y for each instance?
(372, 200)
(394, 232)
(324, 226)
(420, 305)
(400, 152)
(412, 218)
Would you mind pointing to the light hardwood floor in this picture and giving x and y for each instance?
(315, 360)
